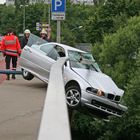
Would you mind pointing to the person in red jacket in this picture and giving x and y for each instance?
(11, 50)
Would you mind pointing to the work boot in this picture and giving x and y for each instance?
(13, 76)
(8, 77)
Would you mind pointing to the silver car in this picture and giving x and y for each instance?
(86, 86)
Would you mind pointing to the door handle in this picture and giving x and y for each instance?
(28, 50)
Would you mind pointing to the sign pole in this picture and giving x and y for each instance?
(58, 31)
(49, 9)
(23, 18)
(58, 14)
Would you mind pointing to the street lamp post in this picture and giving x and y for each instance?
(49, 13)
(24, 17)
(48, 2)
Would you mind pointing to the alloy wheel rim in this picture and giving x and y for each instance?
(73, 97)
(25, 73)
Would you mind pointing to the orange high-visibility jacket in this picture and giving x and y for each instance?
(10, 45)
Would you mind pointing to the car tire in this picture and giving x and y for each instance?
(73, 97)
(27, 75)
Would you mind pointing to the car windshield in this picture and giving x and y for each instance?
(82, 60)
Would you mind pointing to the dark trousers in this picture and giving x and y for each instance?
(8, 59)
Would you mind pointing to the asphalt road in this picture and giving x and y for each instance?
(21, 104)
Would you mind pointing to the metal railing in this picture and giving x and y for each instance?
(55, 121)
(10, 72)
(7, 71)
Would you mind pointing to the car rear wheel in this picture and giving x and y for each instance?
(27, 75)
(73, 96)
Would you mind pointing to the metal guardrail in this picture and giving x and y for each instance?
(10, 72)
(55, 121)
(5, 71)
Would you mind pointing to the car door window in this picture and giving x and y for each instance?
(53, 53)
(47, 48)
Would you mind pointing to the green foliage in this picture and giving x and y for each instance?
(7, 18)
(21, 2)
(119, 50)
(114, 30)
(127, 127)
(108, 18)
(76, 16)
(88, 126)
(12, 17)
(70, 33)
(133, 97)
(116, 49)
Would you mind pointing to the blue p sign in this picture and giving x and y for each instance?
(58, 5)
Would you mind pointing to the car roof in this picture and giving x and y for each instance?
(66, 47)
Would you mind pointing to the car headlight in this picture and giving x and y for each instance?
(95, 91)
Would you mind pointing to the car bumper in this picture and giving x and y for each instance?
(101, 106)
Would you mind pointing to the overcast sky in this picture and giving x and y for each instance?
(2, 1)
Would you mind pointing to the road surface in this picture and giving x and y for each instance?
(21, 104)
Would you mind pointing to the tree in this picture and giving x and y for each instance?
(76, 15)
(21, 2)
(107, 18)
(127, 127)
(119, 52)
(7, 19)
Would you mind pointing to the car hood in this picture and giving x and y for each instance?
(99, 80)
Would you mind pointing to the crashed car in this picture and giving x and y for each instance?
(85, 85)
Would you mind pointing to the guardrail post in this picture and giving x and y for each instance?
(55, 121)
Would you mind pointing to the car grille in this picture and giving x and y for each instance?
(117, 98)
(113, 97)
(107, 107)
(110, 96)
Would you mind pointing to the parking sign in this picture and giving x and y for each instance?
(58, 9)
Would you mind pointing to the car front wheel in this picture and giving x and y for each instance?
(27, 75)
(73, 96)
